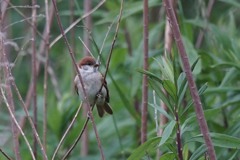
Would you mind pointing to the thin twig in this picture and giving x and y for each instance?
(85, 46)
(145, 79)
(201, 33)
(16, 123)
(79, 76)
(78, 138)
(34, 73)
(5, 155)
(29, 118)
(27, 114)
(77, 21)
(25, 18)
(66, 132)
(5, 63)
(11, 80)
(88, 24)
(41, 51)
(45, 85)
(104, 40)
(192, 86)
(113, 43)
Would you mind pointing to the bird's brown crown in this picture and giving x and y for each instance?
(88, 60)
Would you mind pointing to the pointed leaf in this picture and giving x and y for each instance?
(150, 75)
(170, 89)
(161, 94)
(161, 110)
(167, 132)
(199, 152)
(148, 146)
(220, 140)
(168, 156)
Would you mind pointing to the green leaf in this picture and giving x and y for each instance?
(220, 140)
(228, 77)
(182, 88)
(168, 156)
(170, 89)
(232, 2)
(148, 146)
(155, 86)
(166, 69)
(199, 152)
(191, 121)
(200, 92)
(167, 132)
(185, 152)
(129, 10)
(161, 110)
(125, 100)
(234, 155)
(193, 56)
(150, 75)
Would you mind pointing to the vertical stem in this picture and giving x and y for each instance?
(45, 86)
(88, 25)
(79, 76)
(178, 141)
(145, 67)
(5, 64)
(168, 39)
(192, 86)
(34, 73)
(40, 51)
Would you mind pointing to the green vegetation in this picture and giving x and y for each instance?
(215, 63)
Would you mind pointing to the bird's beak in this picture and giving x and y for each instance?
(95, 66)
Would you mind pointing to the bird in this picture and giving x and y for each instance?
(92, 81)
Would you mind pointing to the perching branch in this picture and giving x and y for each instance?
(113, 43)
(79, 76)
(65, 134)
(193, 89)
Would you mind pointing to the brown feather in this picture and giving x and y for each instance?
(100, 111)
(107, 108)
(76, 88)
(105, 86)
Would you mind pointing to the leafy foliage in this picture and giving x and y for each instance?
(216, 74)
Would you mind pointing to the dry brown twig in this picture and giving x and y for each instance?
(76, 22)
(45, 85)
(79, 76)
(5, 155)
(107, 66)
(34, 73)
(16, 123)
(66, 132)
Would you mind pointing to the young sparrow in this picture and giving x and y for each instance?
(92, 80)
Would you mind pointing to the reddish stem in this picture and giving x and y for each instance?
(193, 89)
